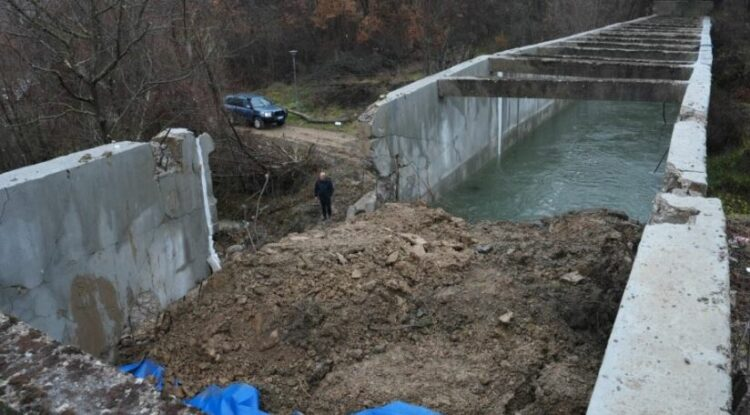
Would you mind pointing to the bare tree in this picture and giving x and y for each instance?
(98, 53)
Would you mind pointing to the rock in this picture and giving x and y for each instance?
(507, 317)
(483, 249)
(365, 204)
(320, 372)
(413, 239)
(417, 251)
(356, 274)
(392, 258)
(341, 259)
(242, 300)
(235, 248)
(573, 277)
(298, 238)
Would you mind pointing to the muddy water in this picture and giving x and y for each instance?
(592, 155)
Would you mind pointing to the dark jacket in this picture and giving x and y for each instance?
(324, 189)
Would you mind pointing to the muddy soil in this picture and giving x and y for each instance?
(738, 234)
(413, 304)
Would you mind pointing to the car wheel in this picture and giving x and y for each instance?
(280, 123)
(258, 123)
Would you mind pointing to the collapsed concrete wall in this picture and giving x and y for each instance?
(89, 240)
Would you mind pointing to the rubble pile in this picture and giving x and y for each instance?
(407, 303)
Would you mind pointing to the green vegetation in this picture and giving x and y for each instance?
(729, 119)
(310, 104)
(336, 99)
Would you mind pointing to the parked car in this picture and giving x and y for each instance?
(254, 109)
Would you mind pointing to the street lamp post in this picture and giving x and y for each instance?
(294, 70)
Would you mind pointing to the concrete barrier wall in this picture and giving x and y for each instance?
(422, 144)
(669, 350)
(92, 238)
(438, 142)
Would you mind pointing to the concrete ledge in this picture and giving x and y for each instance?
(42, 376)
(686, 171)
(669, 349)
(590, 68)
(609, 44)
(686, 162)
(564, 88)
(619, 53)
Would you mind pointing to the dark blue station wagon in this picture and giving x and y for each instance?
(254, 109)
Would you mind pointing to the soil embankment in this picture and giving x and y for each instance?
(409, 303)
(738, 233)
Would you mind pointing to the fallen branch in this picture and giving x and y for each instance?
(319, 121)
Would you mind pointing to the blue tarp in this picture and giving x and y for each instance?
(144, 369)
(235, 399)
(243, 399)
(398, 408)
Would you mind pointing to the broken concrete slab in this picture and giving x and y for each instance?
(671, 335)
(365, 204)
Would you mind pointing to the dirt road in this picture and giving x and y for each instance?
(409, 303)
(339, 144)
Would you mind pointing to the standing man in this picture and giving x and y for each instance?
(324, 193)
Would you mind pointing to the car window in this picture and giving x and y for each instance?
(233, 101)
(260, 102)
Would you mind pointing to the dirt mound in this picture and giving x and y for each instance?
(410, 303)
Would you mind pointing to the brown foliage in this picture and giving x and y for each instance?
(78, 73)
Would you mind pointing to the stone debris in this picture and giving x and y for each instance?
(235, 249)
(392, 258)
(506, 318)
(573, 277)
(483, 249)
(418, 251)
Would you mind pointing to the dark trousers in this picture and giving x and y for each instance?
(325, 205)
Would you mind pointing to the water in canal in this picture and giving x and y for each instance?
(593, 154)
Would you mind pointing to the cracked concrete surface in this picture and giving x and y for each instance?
(40, 375)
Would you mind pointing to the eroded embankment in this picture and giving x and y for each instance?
(401, 305)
